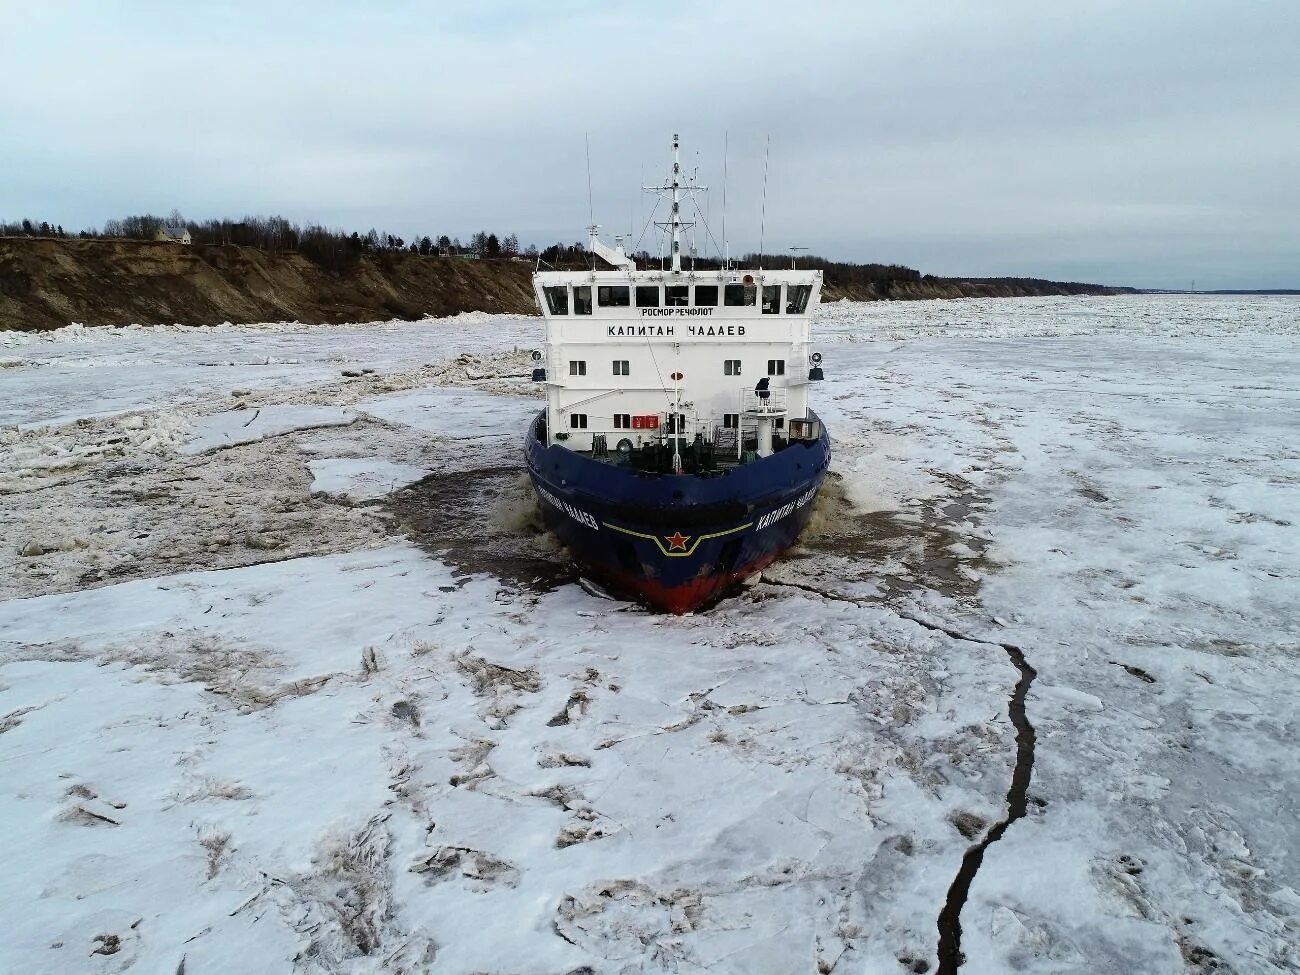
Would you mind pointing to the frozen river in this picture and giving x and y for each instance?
(289, 681)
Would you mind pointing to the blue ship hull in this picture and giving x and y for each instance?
(675, 541)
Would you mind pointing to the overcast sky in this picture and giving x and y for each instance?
(1139, 142)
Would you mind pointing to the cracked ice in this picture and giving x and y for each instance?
(256, 714)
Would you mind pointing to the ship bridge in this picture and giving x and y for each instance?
(676, 368)
(718, 361)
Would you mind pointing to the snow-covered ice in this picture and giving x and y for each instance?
(104, 371)
(234, 427)
(255, 715)
(456, 414)
(361, 478)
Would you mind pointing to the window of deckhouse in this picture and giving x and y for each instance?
(578, 421)
(739, 294)
(730, 421)
(796, 298)
(577, 367)
(557, 299)
(731, 367)
(582, 299)
(613, 296)
(776, 367)
(622, 367)
(622, 421)
(706, 295)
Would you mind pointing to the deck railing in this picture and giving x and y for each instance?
(752, 403)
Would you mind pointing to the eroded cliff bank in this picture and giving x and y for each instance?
(48, 283)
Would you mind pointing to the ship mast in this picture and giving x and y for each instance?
(677, 269)
(677, 209)
(675, 224)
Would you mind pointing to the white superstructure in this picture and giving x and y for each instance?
(641, 355)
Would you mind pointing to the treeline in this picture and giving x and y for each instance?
(1031, 286)
(880, 278)
(323, 245)
(28, 228)
(334, 249)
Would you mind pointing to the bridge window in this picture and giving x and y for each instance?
(621, 367)
(622, 421)
(613, 296)
(676, 295)
(577, 367)
(706, 295)
(647, 296)
(731, 367)
(578, 421)
(557, 300)
(739, 294)
(796, 298)
(771, 298)
(582, 299)
(776, 367)
(730, 421)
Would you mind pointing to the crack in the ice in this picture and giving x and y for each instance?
(7, 492)
(815, 591)
(950, 954)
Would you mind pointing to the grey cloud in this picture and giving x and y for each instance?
(1136, 143)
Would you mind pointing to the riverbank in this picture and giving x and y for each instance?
(48, 283)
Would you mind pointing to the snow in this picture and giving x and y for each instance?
(455, 414)
(235, 427)
(87, 372)
(253, 718)
(362, 479)
(192, 673)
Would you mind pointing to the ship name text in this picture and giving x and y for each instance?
(776, 514)
(640, 331)
(577, 514)
(670, 331)
(707, 331)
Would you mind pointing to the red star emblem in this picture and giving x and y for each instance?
(677, 541)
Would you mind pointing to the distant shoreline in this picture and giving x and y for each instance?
(1222, 291)
(50, 282)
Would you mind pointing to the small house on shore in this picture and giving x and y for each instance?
(173, 235)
